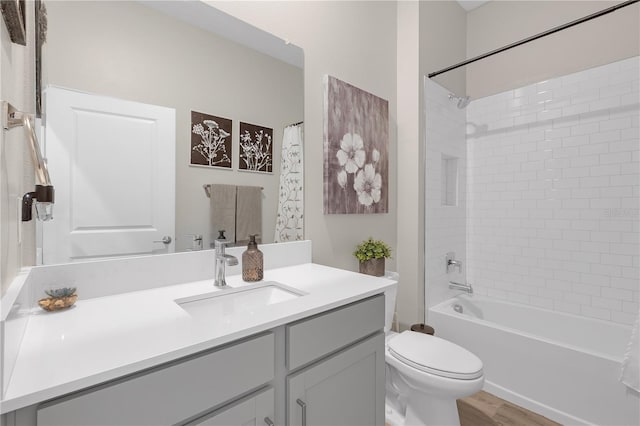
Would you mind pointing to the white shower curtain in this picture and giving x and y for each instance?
(289, 221)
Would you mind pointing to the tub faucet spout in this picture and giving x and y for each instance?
(458, 286)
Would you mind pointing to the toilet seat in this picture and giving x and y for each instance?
(435, 356)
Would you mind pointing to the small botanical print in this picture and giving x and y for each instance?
(256, 148)
(210, 140)
(356, 139)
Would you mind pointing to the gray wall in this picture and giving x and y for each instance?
(497, 23)
(355, 42)
(384, 48)
(365, 46)
(431, 35)
(129, 51)
(358, 47)
(17, 73)
(410, 247)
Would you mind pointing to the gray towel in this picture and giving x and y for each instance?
(248, 213)
(223, 211)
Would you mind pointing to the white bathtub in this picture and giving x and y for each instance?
(562, 366)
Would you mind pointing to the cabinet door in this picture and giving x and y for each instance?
(168, 395)
(256, 410)
(345, 389)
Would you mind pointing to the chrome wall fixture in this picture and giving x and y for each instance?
(461, 101)
(459, 286)
(44, 193)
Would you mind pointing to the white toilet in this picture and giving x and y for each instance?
(425, 375)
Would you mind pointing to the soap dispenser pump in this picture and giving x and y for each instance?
(252, 262)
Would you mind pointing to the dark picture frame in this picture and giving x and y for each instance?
(14, 15)
(210, 141)
(255, 148)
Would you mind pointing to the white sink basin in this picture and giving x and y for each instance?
(231, 301)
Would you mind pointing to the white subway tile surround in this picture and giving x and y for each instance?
(445, 225)
(553, 193)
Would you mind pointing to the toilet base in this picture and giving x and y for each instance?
(392, 417)
(425, 412)
(428, 410)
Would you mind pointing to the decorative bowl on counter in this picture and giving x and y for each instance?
(59, 298)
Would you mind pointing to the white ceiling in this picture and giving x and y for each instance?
(471, 4)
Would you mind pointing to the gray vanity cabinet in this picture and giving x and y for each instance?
(327, 369)
(342, 378)
(170, 394)
(257, 409)
(346, 389)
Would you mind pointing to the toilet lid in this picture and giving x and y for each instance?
(435, 355)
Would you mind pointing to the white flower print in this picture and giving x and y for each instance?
(256, 151)
(375, 155)
(212, 142)
(368, 185)
(342, 178)
(351, 154)
(210, 124)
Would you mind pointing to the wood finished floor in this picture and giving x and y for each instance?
(485, 409)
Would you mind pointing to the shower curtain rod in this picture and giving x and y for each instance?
(537, 36)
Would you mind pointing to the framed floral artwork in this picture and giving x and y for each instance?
(210, 140)
(356, 150)
(256, 148)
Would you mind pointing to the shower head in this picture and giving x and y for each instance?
(462, 102)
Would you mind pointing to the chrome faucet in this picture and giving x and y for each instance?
(458, 286)
(222, 260)
(452, 263)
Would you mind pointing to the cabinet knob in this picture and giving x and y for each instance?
(268, 421)
(302, 404)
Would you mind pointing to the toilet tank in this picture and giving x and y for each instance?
(390, 301)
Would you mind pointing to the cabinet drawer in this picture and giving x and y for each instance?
(315, 337)
(255, 409)
(171, 394)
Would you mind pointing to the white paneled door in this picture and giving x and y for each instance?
(112, 163)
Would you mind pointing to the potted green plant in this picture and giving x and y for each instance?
(371, 254)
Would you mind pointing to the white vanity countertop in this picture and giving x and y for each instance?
(103, 338)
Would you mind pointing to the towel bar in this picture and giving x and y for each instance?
(207, 189)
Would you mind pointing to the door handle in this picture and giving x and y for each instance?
(302, 404)
(268, 421)
(165, 240)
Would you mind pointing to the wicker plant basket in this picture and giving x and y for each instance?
(373, 267)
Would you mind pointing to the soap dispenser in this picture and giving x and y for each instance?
(252, 262)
